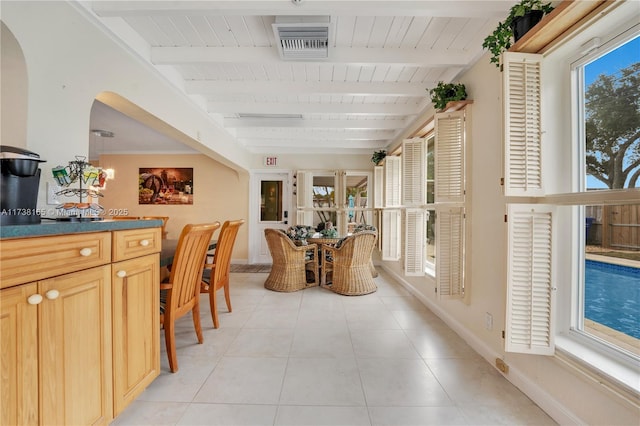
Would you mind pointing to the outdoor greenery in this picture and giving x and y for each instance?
(502, 37)
(612, 109)
(447, 92)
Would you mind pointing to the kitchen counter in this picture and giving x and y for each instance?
(50, 227)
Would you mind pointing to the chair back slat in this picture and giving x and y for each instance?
(188, 262)
(224, 248)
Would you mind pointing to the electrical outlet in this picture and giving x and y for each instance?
(488, 321)
(502, 366)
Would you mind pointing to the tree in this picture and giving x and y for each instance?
(612, 111)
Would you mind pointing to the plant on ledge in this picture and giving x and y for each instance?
(447, 92)
(522, 17)
(378, 156)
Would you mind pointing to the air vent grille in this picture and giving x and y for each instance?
(302, 37)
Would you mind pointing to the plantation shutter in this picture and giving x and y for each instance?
(391, 222)
(449, 151)
(414, 172)
(530, 291)
(415, 240)
(450, 252)
(392, 181)
(378, 186)
(304, 189)
(522, 127)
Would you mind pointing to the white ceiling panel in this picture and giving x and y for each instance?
(384, 56)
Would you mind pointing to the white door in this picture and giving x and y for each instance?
(270, 207)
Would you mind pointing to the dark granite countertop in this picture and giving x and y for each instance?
(49, 227)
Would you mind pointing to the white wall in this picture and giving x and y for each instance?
(69, 62)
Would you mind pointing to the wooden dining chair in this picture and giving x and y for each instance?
(164, 220)
(180, 294)
(216, 274)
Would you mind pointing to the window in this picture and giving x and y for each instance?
(607, 296)
(580, 162)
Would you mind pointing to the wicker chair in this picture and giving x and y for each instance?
(350, 263)
(290, 263)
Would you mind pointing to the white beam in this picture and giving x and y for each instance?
(298, 108)
(340, 88)
(361, 56)
(311, 143)
(285, 133)
(435, 8)
(239, 123)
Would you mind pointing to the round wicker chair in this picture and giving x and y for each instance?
(350, 264)
(290, 263)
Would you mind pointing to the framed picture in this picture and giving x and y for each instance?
(163, 185)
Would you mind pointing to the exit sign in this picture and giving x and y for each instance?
(270, 161)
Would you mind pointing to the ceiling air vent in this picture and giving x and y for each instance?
(302, 37)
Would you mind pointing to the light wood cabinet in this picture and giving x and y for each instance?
(136, 327)
(80, 334)
(56, 350)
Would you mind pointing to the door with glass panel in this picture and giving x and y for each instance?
(270, 208)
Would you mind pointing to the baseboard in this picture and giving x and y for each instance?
(555, 410)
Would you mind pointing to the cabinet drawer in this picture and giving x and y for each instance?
(135, 243)
(31, 259)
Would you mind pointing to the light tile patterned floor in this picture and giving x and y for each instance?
(314, 357)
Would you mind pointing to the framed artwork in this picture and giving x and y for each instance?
(164, 185)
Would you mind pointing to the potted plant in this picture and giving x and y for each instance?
(378, 156)
(447, 92)
(522, 17)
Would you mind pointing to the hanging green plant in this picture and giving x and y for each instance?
(447, 92)
(521, 18)
(378, 156)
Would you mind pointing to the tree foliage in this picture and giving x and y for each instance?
(612, 112)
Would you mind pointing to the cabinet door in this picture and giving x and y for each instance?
(136, 327)
(75, 348)
(18, 356)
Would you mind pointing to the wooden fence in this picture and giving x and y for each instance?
(616, 227)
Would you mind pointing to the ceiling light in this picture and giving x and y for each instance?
(102, 133)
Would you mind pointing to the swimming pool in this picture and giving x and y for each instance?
(612, 296)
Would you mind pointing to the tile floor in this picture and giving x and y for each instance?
(314, 357)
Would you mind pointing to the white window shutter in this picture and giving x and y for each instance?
(415, 240)
(392, 189)
(414, 172)
(449, 151)
(391, 223)
(378, 187)
(530, 291)
(304, 189)
(304, 217)
(522, 127)
(450, 252)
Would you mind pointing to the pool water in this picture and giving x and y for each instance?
(612, 296)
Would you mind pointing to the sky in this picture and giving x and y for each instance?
(611, 63)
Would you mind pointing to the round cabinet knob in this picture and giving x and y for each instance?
(144, 243)
(121, 274)
(34, 299)
(85, 252)
(52, 294)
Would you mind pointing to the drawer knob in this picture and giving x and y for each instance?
(34, 299)
(121, 274)
(85, 252)
(144, 243)
(52, 294)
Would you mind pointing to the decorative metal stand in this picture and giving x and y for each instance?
(81, 211)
